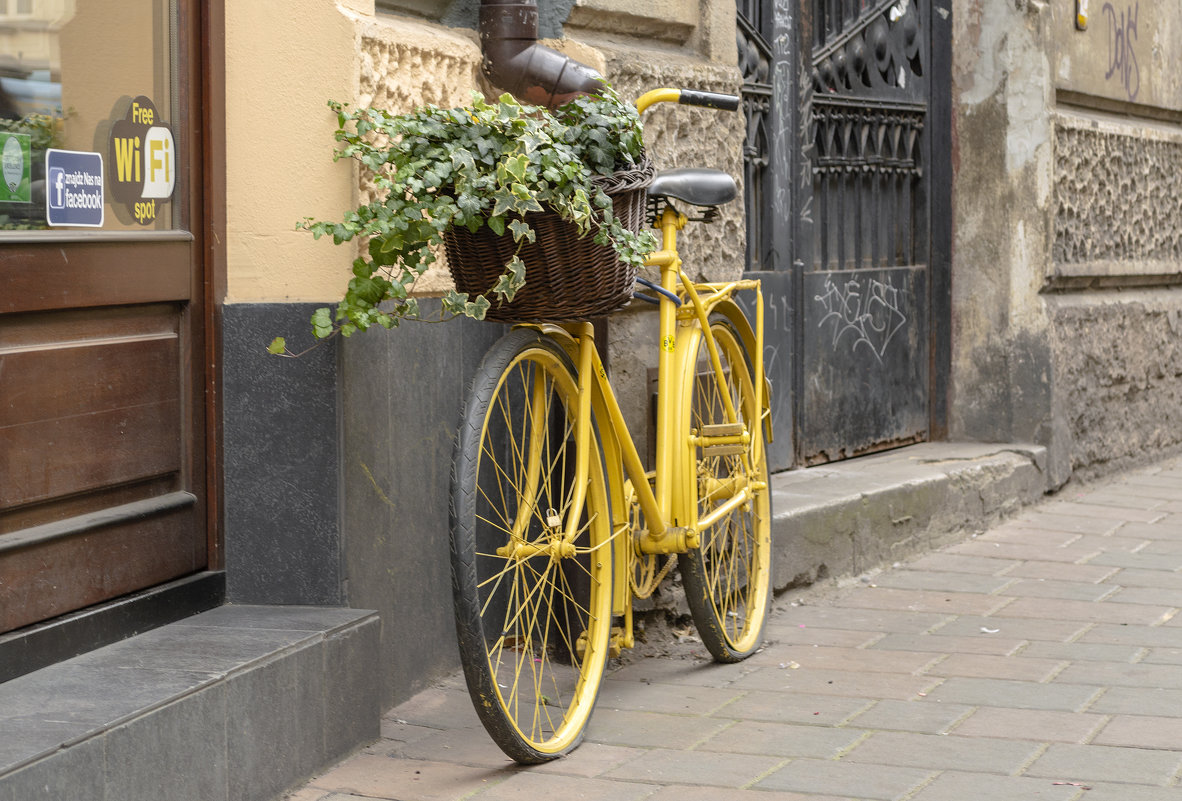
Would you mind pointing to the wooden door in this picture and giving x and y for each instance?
(102, 422)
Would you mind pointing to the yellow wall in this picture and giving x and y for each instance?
(283, 62)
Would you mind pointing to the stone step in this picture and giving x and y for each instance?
(235, 704)
(846, 518)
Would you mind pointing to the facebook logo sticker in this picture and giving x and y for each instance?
(74, 190)
(57, 188)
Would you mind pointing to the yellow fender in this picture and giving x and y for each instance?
(731, 311)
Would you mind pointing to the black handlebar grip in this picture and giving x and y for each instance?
(691, 97)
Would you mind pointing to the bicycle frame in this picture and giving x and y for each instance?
(670, 510)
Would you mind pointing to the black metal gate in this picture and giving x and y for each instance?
(840, 223)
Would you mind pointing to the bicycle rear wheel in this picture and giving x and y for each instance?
(728, 578)
(533, 605)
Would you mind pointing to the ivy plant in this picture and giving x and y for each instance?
(487, 164)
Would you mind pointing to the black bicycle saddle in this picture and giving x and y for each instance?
(693, 185)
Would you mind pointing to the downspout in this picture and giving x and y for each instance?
(515, 62)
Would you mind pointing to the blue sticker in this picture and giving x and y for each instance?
(73, 188)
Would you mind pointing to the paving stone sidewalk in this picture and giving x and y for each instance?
(1039, 660)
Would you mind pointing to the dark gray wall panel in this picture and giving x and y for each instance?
(280, 449)
(402, 395)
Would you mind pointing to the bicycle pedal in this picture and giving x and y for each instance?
(716, 431)
(722, 430)
(616, 645)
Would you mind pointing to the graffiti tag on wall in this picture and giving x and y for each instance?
(1122, 56)
(865, 312)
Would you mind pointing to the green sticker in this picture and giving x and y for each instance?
(16, 163)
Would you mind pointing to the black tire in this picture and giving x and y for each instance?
(728, 578)
(534, 618)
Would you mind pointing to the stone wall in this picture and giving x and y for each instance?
(1116, 273)
(1115, 262)
(1068, 241)
(1118, 361)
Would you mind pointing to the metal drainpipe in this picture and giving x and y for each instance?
(514, 61)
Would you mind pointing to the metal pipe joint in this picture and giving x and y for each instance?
(517, 63)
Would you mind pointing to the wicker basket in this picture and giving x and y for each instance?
(567, 277)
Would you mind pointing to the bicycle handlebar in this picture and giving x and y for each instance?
(689, 97)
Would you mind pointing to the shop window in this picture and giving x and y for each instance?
(86, 113)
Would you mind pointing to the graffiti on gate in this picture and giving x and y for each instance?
(865, 312)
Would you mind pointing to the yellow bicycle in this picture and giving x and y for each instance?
(555, 523)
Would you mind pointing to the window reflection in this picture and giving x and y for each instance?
(30, 105)
(72, 75)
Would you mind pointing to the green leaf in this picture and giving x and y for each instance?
(391, 243)
(454, 302)
(511, 280)
(468, 205)
(497, 225)
(322, 323)
(503, 202)
(278, 346)
(462, 159)
(521, 230)
(516, 167)
(477, 308)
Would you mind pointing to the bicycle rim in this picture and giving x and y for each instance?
(728, 578)
(533, 604)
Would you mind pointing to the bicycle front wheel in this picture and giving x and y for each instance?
(728, 578)
(531, 566)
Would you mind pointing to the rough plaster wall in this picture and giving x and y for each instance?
(1119, 363)
(1001, 362)
(1109, 193)
(677, 136)
(405, 64)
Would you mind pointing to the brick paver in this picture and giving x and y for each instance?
(1032, 724)
(858, 780)
(1100, 762)
(958, 786)
(1039, 660)
(889, 715)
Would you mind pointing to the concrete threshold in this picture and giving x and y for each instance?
(240, 702)
(854, 516)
